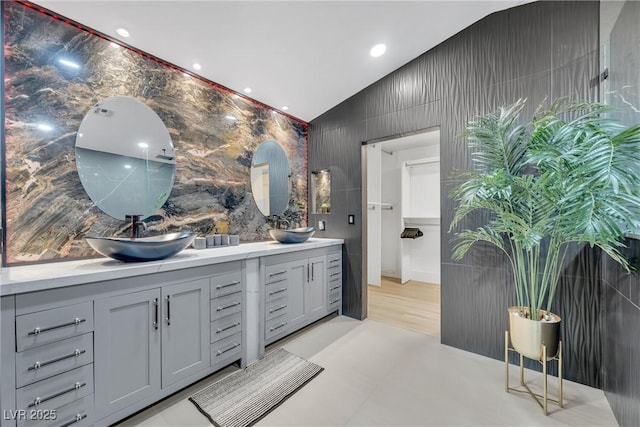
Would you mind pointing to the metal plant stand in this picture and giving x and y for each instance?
(544, 362)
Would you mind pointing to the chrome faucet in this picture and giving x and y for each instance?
(279, 222)
(137, 225)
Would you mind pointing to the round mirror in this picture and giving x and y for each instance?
(125, 157)
(270, 173)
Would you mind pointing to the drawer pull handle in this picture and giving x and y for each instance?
(282, 307)
(38, 400)
(281, 325)
(233, 304)
(277, 273)
(155, 318)
(334, 288)
(335, 260)
(75, 322)
(334, 301)
(228, 284)
(221, 352)
(335, 274)
(38, 365)
(76, 420)
(233, 325)
(277, 292)
(168, 298)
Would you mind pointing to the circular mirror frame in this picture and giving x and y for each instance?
(270, 178)
(125, 157)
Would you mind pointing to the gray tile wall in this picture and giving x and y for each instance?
(539, 50)
(620, 320)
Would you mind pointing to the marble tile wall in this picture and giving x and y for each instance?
(46, 210)
(538, 50)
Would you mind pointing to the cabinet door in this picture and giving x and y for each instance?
(185, 330)
(315, 290)
(298, 277)
(126, 350)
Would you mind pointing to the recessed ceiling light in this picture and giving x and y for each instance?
(143, 145)
(247, 90)
(285, 108)
(122, 32)
(197, 66)
(378, 50)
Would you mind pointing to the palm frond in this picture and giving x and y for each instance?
(569, 175)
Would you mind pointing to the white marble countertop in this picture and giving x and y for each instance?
(31, 278)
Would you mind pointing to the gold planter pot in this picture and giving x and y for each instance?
(528, 336)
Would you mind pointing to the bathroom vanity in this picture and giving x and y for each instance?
(90, 342)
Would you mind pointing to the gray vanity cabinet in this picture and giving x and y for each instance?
(127, 350)
(295, 292)
(149, 340)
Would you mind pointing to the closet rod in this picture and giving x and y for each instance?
(422, 161)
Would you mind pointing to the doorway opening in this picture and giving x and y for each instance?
(402, 238)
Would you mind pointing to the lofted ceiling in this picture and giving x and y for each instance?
(306, 55)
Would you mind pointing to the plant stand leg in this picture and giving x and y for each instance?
(560, 375)
(506, 361)
(541, 399)
(544, 379)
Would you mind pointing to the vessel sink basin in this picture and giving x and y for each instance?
(153, 248)
(294, 235)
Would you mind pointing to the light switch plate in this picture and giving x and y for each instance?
(321, 225)
(352, 219)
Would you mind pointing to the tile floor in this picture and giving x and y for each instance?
(379, 375)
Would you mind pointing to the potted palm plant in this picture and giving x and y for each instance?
(570, 175)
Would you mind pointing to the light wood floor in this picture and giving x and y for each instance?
(414, 305)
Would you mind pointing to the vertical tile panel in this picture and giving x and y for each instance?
(579, 304)
(577, 80)
(575, 30)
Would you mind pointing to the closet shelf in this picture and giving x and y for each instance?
(422, 220)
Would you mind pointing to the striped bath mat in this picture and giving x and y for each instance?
(244, 397)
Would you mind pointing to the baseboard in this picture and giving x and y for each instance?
(426, 276)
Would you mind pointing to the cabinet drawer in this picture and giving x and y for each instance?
(276, 308)
(334, 286)
(226, 350)
(51, 359)
(335, 297)
(47, 326)
(334, 261)
(276, 290)
(226, 306)
(275, 326)
(334, 275)
(78, 413)
(225, 284)
(57, 391)
(276, 273)
(226, 326)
